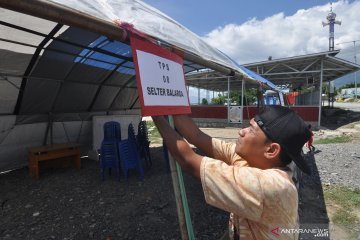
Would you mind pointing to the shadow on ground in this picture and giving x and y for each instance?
(312, 209)
(333, 118)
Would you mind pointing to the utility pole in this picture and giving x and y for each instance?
(355, 61)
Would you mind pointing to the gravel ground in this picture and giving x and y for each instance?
(332, 164)
(339, 163)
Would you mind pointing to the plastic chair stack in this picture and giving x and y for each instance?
(109, 156)
(129, 156)
(144, 143)
(112, 131)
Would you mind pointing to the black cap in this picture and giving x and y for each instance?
(284, 126)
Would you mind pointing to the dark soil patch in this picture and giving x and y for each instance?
(333, 118)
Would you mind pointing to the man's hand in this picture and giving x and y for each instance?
(191, 132)
(181, 151)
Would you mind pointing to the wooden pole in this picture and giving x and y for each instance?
(186, 228)
(179, 205)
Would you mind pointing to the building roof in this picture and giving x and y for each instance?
(295, 71)
(304, 69)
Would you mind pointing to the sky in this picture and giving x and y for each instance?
(251, 31)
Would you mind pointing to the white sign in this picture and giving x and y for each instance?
(162, 81)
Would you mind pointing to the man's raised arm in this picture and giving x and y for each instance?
(191, 132)
(181, 151)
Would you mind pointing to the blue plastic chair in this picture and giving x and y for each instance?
(144, 143)
(109, 158)
(132, 139)
(131, 133)
(129, 156)
(112, 131)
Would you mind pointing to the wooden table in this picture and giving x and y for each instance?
(49, 152)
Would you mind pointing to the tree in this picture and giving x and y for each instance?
(325, 89)
(235, 97)
(249, 96)
(204, 101)
(220, 100)
(349, 85)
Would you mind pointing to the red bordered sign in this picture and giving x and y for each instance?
(160, 79)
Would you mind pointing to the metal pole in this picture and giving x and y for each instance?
(242, 100)
(228, 99)
(320, 90)
(355, 71)
(329, 93)
(198, 95)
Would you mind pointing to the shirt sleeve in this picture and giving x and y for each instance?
(232, 188)
(225, 151)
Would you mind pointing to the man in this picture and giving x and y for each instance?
(249, 179)
(309, 143)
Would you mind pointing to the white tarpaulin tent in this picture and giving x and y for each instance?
(72, 62)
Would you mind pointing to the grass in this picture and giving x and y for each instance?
(344, 217)
(340, 139)
(154, 135)
(348, 200)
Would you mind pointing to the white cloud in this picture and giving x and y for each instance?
(285, 36)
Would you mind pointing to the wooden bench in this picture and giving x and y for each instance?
(49, 152)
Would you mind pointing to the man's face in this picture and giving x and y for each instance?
(251, 144)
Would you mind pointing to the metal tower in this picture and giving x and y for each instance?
(331, 22)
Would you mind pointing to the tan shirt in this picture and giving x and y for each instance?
(263, 203)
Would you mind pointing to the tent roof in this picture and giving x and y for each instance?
(304, 69)
(85, 67)
(99, 17)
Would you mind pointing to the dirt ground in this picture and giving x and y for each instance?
(69, 204)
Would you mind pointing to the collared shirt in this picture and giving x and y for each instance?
(263, 203)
